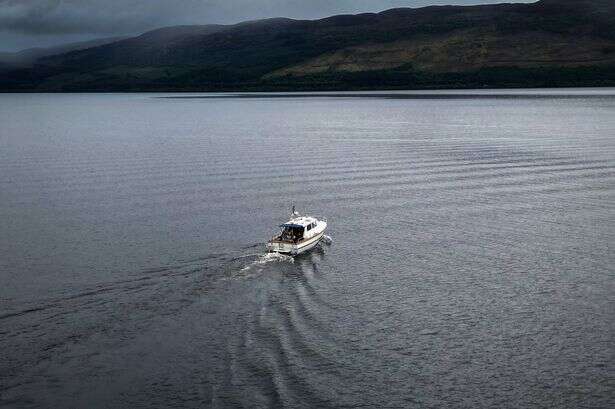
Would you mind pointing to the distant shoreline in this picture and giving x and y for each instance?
(445, 93)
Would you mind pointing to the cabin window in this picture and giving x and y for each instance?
(292, 233)
(309, 227)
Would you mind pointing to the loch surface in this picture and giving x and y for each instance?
(469, 264)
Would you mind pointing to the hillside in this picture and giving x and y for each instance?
(548, 43)
(28, 57)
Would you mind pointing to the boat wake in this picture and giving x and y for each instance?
(268, 258)
(256, 262)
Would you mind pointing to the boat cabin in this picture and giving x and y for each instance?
(297, 229)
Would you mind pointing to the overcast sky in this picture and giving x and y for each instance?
(35, 23)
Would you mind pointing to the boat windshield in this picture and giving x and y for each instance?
(292, 233)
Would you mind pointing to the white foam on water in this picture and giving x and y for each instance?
(247, 256)
(269, 258)
(327, 239)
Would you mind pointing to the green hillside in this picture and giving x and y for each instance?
(548, 43)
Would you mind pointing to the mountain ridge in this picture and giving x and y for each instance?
(547, 43)
(28, 56)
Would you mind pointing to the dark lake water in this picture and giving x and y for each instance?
(470, 261)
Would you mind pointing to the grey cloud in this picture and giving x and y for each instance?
(89, 16)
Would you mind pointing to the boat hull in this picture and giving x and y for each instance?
(295, 249)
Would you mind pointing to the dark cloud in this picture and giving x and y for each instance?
(85, 16)
(41, 22)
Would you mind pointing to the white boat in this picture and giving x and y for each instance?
(298, 235)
